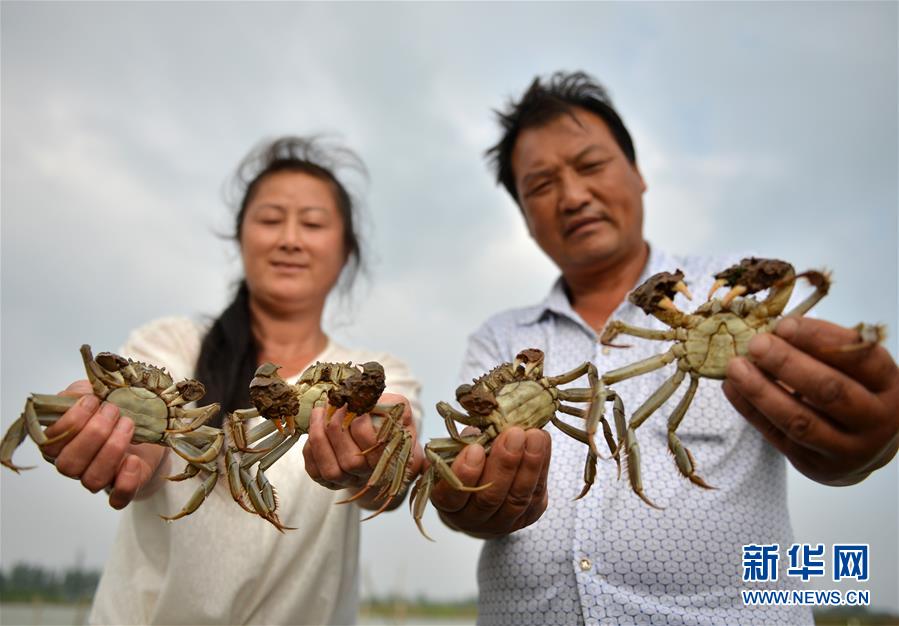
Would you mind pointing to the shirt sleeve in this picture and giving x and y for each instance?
(169, 342)
(482, 354)
(400, 380)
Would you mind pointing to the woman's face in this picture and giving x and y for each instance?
(292, 241)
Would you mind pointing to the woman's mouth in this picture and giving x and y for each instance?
(288, 266)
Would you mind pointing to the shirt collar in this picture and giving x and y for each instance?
(557, 302)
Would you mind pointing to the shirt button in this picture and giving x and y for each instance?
(606, 351)
(585, 565)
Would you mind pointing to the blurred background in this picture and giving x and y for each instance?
(761, 127)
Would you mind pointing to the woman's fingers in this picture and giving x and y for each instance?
(78, 453)
(101, 472)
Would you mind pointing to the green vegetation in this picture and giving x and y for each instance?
(27, 583)
(400, 609)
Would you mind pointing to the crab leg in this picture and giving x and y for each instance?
(189, 472)
(234, 480)
(445, 472)
(198, 417)
(590, 465)
(567, 377)
(196, 499)
(632, 448)
(641, 367)
(399, 448)
(58, 404)
(682, 456)
(420, 495)
(606, 429)
(269, 458)
(449, 413)
(390, 427)
(821, 282)
(617, 327)
(11, 440)
(595, 395)
(192, 454)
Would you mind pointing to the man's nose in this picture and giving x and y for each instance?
(574, 193)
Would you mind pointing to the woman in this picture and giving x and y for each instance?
(296, 232)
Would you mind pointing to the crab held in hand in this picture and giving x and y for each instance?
(705, 340)
(517, 394)
(287, 410)
(145, 394)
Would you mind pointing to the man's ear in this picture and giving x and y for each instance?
(526, 218)
(643, 185)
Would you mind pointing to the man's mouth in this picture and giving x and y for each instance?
(579, 223)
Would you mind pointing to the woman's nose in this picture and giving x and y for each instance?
(291, 236)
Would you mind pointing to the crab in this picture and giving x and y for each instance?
(147, 395)
(287, 410)
(705, 341)
(517, 394)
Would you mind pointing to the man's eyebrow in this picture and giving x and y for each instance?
(545, 171)
(591, 148)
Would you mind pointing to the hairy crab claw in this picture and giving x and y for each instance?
(751, 276)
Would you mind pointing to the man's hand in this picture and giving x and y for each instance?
(517, 468)
(841, 420)
(98, 449)
(333, 455)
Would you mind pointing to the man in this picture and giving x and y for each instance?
(568, 161)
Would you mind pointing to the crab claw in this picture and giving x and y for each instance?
(347, 420)
(681, 286)
(739, 290)
(329, 412)
(667, 304)
(718, 284)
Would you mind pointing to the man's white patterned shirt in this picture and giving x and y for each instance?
(609, 558)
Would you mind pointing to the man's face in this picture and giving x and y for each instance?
(581, 197)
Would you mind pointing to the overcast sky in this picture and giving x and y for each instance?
(761, 127)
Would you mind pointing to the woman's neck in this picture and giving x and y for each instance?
(288, 339)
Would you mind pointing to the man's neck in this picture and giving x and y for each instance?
(596, 293)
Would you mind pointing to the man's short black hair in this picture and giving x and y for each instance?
(544, 101)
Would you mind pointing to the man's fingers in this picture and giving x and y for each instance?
(500, 472)
(797, 420)
(522, 491)
(769, 431)
(872, 367)
(468, 467)
(820, 385)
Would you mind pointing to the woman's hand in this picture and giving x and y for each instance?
(334, 456)
(98, 451)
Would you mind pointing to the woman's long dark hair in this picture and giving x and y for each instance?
(229, 353)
